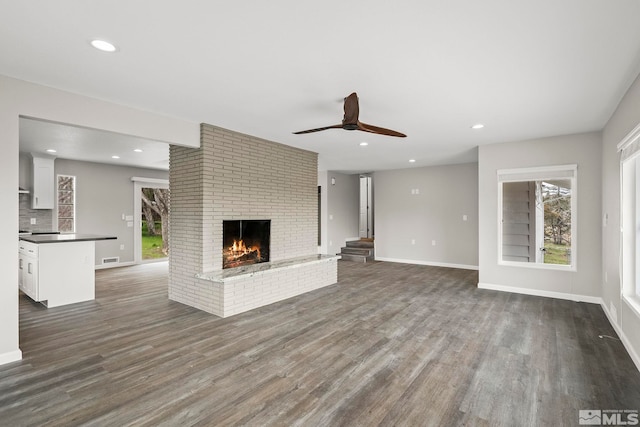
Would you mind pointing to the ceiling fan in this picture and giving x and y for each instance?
(351, 122)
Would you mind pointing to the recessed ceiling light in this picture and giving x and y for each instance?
(412, 160)
(51, 150)
(364, 144)
(137, 150)
(477, 126)
(115, 157)
(103, 45)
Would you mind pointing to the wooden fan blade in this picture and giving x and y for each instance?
(351, 110)
(381, 131)
(318, 129)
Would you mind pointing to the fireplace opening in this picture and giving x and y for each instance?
(245, 242)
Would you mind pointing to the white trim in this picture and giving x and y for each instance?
(525, 174)
(154, 260)
(158, 181)
(541, 293)
(630, 138)
(628, 255)
(625, 341)
(11, 356)
(632, 302)
(114, 265)
(430, 263)
(538, 265)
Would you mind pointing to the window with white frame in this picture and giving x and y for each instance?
(66, 193)
(629, 150)
(537, 216)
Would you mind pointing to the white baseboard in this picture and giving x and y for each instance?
(541, 293)
(114, 265)
(12, 356)
(625, 341)
(433, 264)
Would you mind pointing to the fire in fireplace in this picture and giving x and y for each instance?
(245, 242)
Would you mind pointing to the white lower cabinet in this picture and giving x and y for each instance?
(57, 273)
(28, 270)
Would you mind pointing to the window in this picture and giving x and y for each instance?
(66, 186)
(537, 216)
(629, 150)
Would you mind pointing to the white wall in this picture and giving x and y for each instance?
(625, 118)
(103, 194)
(9, 350)
(322, 183)
(583, 150)
(31, 100)
(445, 194)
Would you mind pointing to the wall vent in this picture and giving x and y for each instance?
(112, 260)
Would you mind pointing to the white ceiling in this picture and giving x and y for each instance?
(430, 69)
(78, 143)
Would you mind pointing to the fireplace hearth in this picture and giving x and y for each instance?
(245, 242)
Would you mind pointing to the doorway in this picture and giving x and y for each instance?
(150, 219)
(366, 207)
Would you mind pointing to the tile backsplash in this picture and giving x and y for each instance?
(44, 217)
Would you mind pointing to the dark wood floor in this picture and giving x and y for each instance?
(390, 344)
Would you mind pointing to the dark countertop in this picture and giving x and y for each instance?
(61, 238)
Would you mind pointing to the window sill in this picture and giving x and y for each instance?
(633, 302)
(538, 266)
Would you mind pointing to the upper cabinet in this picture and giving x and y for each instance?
(43, 182)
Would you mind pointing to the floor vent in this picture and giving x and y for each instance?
(112, 260)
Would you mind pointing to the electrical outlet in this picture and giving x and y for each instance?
(464, 217)
(413, 241)
(33, 221)
(433, 243)
(122, 247)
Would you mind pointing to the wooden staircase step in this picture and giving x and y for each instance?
(358, 250)
(360, 244)
(355, 258)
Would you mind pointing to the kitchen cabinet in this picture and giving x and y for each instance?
(43, 182)
(28, 270)
(58, 269)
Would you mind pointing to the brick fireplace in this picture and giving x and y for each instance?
(234, 177)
